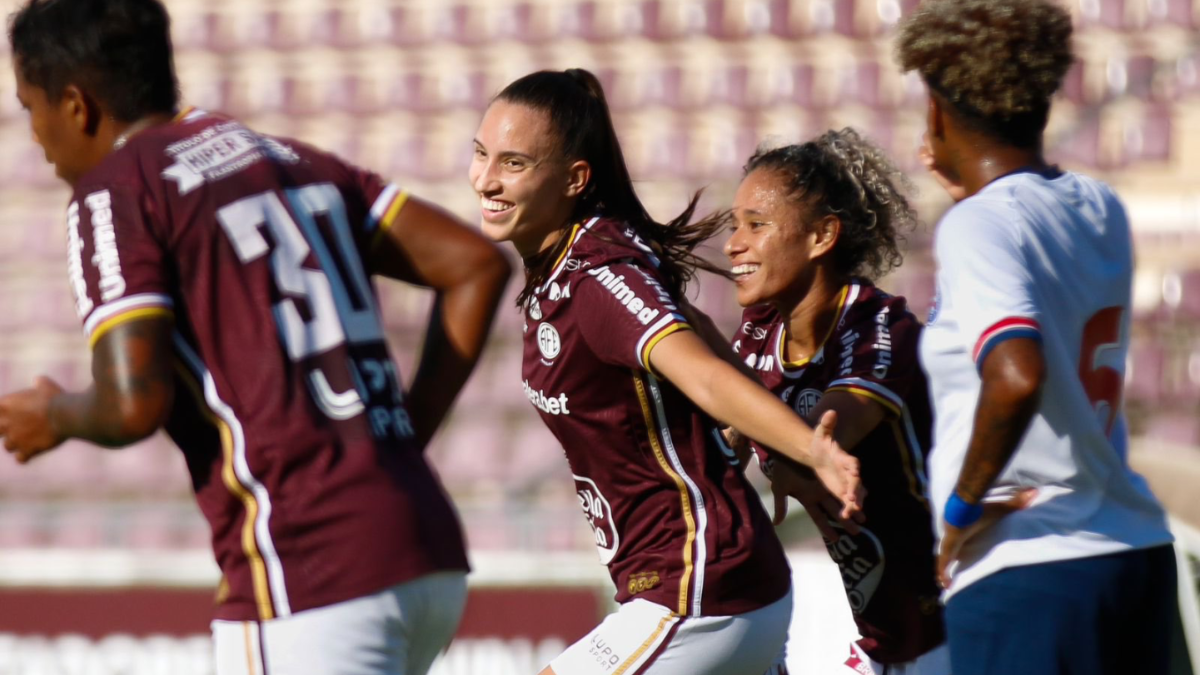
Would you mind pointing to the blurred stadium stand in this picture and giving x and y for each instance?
(398, 86)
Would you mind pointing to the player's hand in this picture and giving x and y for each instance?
(954, 538)
(25, 420)
(739, 444)
(837, 469)
(789, 480)
(925, 154)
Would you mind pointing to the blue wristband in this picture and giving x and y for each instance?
(961, 514)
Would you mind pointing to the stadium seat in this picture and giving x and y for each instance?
(1181, 294)
(1144, 372)
(1172, 13)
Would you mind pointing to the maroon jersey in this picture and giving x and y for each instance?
(675, 521)
(888, 569)
(288, 407)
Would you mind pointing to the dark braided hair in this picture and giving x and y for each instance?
(578, 111)
(842, 174)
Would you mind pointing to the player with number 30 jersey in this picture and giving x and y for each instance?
(285, 445)
(223, 281)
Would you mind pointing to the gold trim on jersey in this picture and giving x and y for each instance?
(571, 239)
(183, 114)
(389, 217)
(258, 569)
(867, 393)
(684, 499)
(113, 322)
(637, 654)
(907, 461)
(780, 348)
(652, 342)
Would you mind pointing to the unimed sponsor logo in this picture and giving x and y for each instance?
(624, 294)
(106, 258)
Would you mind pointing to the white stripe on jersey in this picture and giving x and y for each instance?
(701, 554)
(106, 312)
(651, 332)
(918, 451)
(262, 532)
(380, 207)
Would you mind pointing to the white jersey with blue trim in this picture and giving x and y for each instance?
(1047, 258)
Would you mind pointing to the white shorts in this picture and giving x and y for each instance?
(643, 638)
(397, 631)
(933, 662)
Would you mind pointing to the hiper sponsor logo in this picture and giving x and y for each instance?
(600, 517)
(535, 309)
(83, 304)
(625, 295)
(106, 257)
(551, 405)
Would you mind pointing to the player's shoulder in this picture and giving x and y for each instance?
(867, 305)
(600, 241)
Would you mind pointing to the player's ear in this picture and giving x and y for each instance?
(578, 175)
(81, 110)
(825, 233)
(935, 117)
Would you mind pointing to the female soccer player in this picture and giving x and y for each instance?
(634, 396)
(222, 280)
(1025, 357)
(812, 225)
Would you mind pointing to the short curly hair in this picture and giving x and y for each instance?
(841, 173)
(998, 62)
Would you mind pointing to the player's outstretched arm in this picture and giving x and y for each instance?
(857, 417)
(129, 399)
(429, 247)
(1011, 379)
(722, 391)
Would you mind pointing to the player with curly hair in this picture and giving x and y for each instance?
(813, 225)
(1055, 556)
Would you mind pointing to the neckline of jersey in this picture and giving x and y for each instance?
(841, 308)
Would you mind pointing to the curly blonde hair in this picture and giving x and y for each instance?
(843, 174)
(992, 59)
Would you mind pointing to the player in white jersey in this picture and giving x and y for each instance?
(1071, 571)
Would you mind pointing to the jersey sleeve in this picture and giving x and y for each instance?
(624, 311)
(116, 263)
(983, 270)
(384, 201)
(877, 358)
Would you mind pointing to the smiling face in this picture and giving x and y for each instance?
(527, 190)
(773, 244)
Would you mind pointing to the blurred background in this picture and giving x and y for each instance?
(104, 559)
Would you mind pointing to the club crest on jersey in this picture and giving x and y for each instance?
(549, 342)
(535, 309)
(599, 515)
(804, 402)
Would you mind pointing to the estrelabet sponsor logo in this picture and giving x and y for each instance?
(551, 405)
